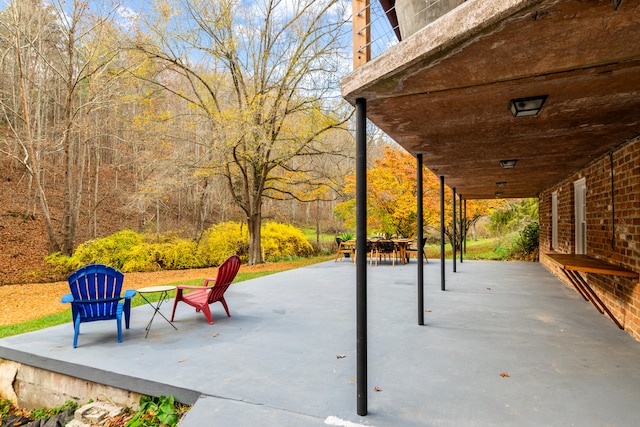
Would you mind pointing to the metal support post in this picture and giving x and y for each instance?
(453, 226)
(420, 215)
(361, 259)
(442, 252)
(463, 230)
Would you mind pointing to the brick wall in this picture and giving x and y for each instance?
(613, 227)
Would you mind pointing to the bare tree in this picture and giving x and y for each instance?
(265, 74)
(32, 36)
(61, 59)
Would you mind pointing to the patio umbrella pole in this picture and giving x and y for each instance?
(361, 258)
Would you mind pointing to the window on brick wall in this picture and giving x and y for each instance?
(554, 220)
(580, 189)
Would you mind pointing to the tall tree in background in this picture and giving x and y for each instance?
(391, 195)
(62, 62)
(28, 36)
(264, 73)
(391, 198)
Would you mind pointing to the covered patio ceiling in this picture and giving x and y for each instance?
(445, 91)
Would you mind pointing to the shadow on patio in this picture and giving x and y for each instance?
(506, 344)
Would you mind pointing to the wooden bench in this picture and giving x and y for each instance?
(574, 264)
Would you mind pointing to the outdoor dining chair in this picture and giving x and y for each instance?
(346, 249)
(412, 250)
(385, 249)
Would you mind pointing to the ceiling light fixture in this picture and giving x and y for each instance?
(508, 164)
(523, 107)
(501, 184)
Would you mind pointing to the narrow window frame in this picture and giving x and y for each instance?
(580, 210)
(554, 221)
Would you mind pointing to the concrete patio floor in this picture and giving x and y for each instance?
(278, 361)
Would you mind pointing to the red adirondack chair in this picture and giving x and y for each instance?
(206, 295)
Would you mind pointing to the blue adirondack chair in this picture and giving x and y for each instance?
(95, 295)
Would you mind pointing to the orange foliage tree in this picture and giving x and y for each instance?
(391, 198)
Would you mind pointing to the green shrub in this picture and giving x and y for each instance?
(40, 414)
(527, 244)
(502, 252)
(223, 240)
(180, 254)
(129, 251)
(114, 250)
(506, 247)
(125, 250)
(8, 409)
(522, 245)
(284, 241)
(61, 265)
(346, 236)
(157, 411)
(138, 258)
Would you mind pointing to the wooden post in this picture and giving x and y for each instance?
(361, 32)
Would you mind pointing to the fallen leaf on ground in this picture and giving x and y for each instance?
(340, 356)
(181, 361)
(428, 311)
(215, 335)
(488, 289)
(504, 375)
(377, 389)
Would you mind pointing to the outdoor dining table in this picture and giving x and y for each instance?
(400, 243)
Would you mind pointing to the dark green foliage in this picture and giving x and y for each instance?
(157, 412)
(501, 220)
(528, 243)
(518, 224)
(22, 416)
(48, 412)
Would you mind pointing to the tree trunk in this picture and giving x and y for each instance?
(71, 154)
(44, 208)
(318, 223)
(96, 187)
(201, 212)
(31, 163)
(254, 223)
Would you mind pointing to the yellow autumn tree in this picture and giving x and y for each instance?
(256, 71)
(391, 198)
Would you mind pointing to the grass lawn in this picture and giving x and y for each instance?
(481, 249)
(310, 234)
(65, 316)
